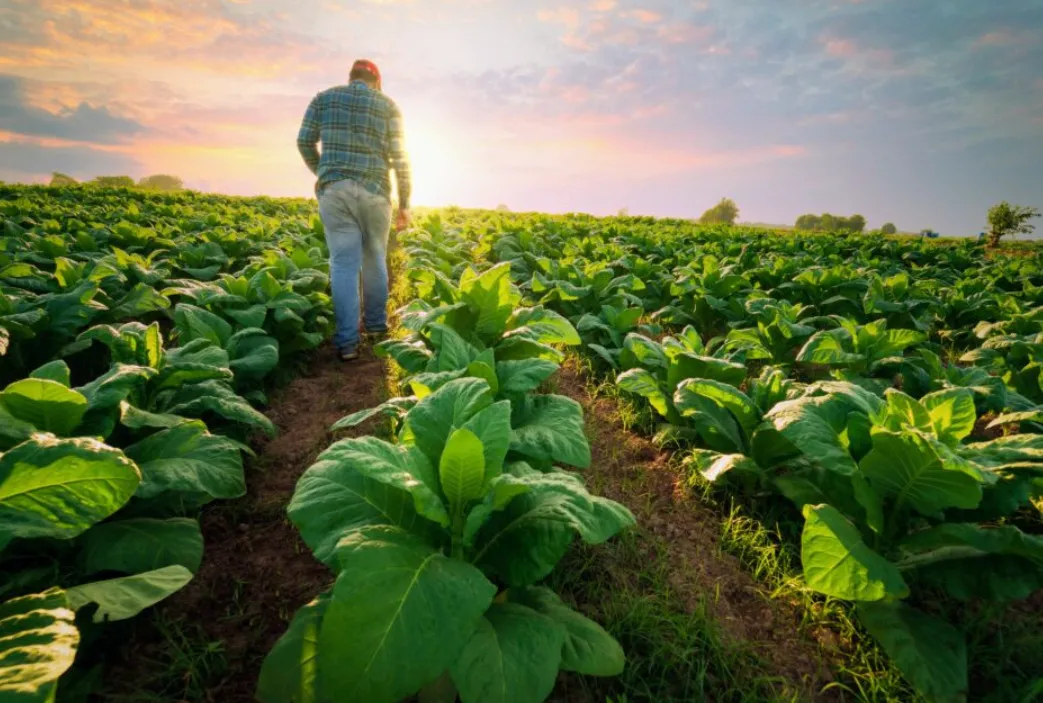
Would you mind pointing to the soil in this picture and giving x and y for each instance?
(630, 469)
(256, 571)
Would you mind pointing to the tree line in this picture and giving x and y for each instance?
(159, 181)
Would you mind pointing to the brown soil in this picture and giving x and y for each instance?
(630, 469)
(256, 571)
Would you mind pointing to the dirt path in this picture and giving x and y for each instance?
(628, 468)
(256, 571)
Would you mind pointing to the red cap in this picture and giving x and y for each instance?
(369, 67)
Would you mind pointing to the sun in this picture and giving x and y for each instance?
(434, 163)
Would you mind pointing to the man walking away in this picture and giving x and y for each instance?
(362, 141)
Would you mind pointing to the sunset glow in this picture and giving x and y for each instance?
(902, 113)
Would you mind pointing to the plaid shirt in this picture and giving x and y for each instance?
(361, 133)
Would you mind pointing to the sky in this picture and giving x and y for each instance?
(919, 112)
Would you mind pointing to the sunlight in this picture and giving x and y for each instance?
(435, 163)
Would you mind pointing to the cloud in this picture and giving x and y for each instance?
(33, 162)
(82, 123)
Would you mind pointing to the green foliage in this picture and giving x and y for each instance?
(61, 179)
(1006, 220)
(855, 224)
(726, 212)
(116, 425)
(162, 182)
(889, 228)
(112, 182)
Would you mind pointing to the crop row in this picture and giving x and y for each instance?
(441, 537)
(877, 385)
(136, 334)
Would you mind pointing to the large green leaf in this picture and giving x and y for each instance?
(429, 424)
(524, 375)
(493, 427)
(198, 399)
(47, 405)
(252, 353)
(352, 488)
(123, 598)
(461, 470)
(727, 396)
(641, 382)
(838, 563)
(196, 323)
(928, 651)
(587, 649)
(523, 542)
(906, 468)
(815, 426)
(400, 614)
(38, 641)
(549, 428)
(687, 365)
(188, 459)
(60, 487)
(55, 371)
(969, 561)
(142, 544)
(952, 413)
(290, 671)
(512, 657)
(399, 466)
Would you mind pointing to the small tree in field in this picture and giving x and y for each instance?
(723, 213)
(161, 181)
(889, 228)
(61, 179)
(1006, 219)
(113, 182)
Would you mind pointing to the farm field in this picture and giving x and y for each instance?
(616, 459)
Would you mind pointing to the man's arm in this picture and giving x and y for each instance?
(399, 158)
(308, 137)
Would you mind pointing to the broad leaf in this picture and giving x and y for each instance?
(461, 470)
(60, 487)
(512, 657)
(400, 614)
(928, 651)
(188, 459)
(907, 469)
(123, 598)
(290, 671)
(142, 544)
(587, 649)
(429, 424)
(838, 563)
(952, 413)
(549, 428)
(47, 405)
(38, 641)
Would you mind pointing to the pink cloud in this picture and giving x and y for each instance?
(645, 16)
(602, 5)
(568, 16)
(685, 33)
(840, 47)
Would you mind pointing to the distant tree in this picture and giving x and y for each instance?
(161, 181)
(889, 228)
(61, 179)
(502, 208)
(828, 223)
(856, 224)
(113, 182)
(1006, 219)
(623, 212)
(808, 222)
(723, 213)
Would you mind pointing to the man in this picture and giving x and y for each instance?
(362, 141)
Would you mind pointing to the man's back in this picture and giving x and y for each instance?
(362, 139)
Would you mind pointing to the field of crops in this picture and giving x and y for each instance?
(869, 409)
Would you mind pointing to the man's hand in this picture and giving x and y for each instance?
(403, 220)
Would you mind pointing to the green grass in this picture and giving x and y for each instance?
(187, 664)
(675, 653)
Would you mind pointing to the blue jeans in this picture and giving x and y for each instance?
(357, 224)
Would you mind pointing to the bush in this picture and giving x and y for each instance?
(723, 213)
(61, 179)
(162, 181)
(1006, 219)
